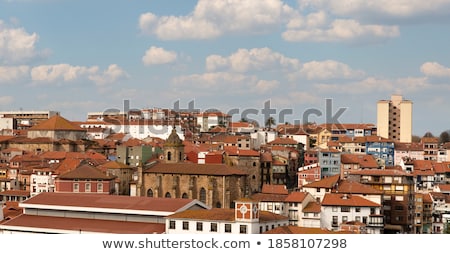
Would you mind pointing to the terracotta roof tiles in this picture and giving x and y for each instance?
(57, 123)
(85, 225)
(337, 199)
(327, 182)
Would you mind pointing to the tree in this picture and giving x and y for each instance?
(415, 139)
(444, 137)
(269, 122)
(428, 135)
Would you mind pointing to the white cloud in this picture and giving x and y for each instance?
(60, 72)
(371, 84)
(214, 82)
(329, 69)
(245, 60)
(380, 9)
(156, 55)
(213, 18)
(342, 30)
(434, 69)
(13, 73)
(17, 45)
(264, 86)
(69, 73)
(110, 75)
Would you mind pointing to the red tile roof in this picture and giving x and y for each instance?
(363, 160)
(283, 141)
(296, 196)
(269, 197)
(337, 199)
(109, 201)
(85, 171)
(234, 151)
(351, 187)
(274, 189)
(327, 182)
(381, 172)
(48, 223)
(312, 207)
(57, 123)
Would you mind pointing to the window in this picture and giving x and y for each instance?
(335, 221)
(243, 229)
(344, 218)
(199, 226)
(87, 187)
(213, 227)
(185, 225)
(345, 209)
(203, 195)
(99, 187)
(357, 209)
(172, 224)
(227, 228)
(334, 209)
(76, 187)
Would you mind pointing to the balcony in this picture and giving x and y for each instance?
(376, 220)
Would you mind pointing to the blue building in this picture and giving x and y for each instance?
(382, 149)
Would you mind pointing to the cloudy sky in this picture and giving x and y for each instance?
(83, 56)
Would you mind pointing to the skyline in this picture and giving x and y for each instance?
(76, 57)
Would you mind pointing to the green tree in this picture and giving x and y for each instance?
(269, 122)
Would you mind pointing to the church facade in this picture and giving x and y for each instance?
(216, 185)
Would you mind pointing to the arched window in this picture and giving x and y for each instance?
(184, 195)
(203, 195)
(218, 205)
(149, 193)
(169, 156)
(168, 195)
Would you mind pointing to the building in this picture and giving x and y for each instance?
(26, 119)
(398, 196)
(394, 119)
(245, 218)
(216, 185)
(208, 120)
(82, 213)
(329, 162)
(86, 179)
(338, 209)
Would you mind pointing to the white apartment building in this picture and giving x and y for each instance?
(394, 119)
(42, 180)
(340, 208)
(245, 218)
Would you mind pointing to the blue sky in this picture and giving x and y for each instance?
(82, 56)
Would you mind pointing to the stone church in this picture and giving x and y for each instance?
(217, 185)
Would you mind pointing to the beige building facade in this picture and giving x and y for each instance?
(394, 119)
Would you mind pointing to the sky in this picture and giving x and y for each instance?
(319, 60)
